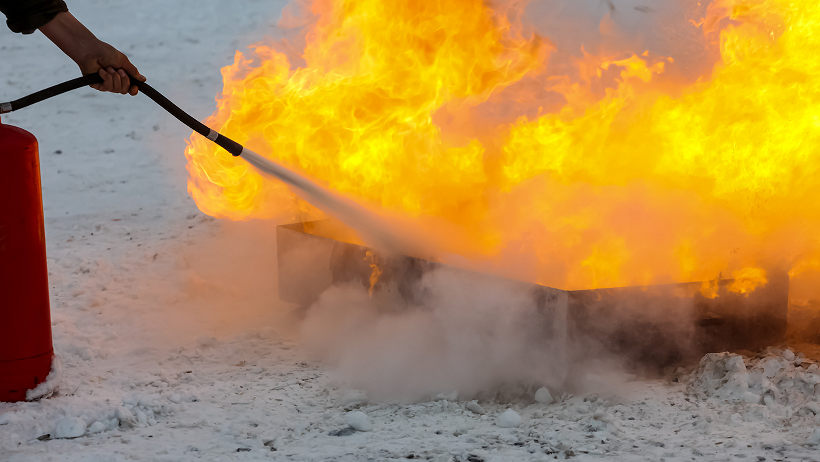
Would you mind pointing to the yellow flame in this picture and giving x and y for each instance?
(711, 288)
(647, 181)
(370, 257)
(359, 115)
(747, 280)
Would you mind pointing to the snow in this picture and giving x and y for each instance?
(97, 427)
(543, 396)
(175, 347)
(781, 386)
(69, 427)
(814, 438)
(359, 421)
(475, 408)
(49, 386)
(508, 419)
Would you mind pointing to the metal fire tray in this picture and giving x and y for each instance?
(649, 325)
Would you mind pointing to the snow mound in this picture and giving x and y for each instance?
(780, 380)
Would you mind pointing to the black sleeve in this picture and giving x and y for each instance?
(26, 16)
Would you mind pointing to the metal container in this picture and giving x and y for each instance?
(25, 318)
(654, 326)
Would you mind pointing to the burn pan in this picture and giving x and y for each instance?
(647, 326)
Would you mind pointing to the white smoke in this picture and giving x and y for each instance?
(479, 336)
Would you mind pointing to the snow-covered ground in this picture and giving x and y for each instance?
(174, 344)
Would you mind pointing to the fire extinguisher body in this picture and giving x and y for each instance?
(26, 350)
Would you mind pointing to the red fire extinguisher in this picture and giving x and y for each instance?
(25, 322)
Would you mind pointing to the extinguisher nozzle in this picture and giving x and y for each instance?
(5, 107)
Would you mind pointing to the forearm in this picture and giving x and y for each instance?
(70, 36)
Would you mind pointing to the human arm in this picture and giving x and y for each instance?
(92, 54)
(75, 40)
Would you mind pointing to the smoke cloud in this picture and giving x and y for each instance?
(481, 337)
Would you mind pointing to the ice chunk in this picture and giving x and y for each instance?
(813, 407)
(275, 443)
(97, 427)
(451, 396)
(772, 366)
(508, 419)
(543, 396)
(476, 408)
(751, 398)
(734, 363)
(720, 375)
(69, 427)
(358, 421)
(814, 438)
(126, 417)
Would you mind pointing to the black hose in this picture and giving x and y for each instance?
(49, 92)
(223, 141)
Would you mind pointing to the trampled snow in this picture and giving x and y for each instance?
(175, 348)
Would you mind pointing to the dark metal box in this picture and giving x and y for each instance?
(650, 325)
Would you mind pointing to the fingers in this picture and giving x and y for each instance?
(107, 84)
(126, 84)
(117, 81)
(132, 70)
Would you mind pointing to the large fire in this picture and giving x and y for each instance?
(635, 176)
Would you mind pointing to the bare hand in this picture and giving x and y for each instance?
(92, 54)
(115, 81)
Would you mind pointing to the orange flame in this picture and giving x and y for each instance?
(370, 258)
(744, 282)
(640, 180)
(747, 280)
(711, 288)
